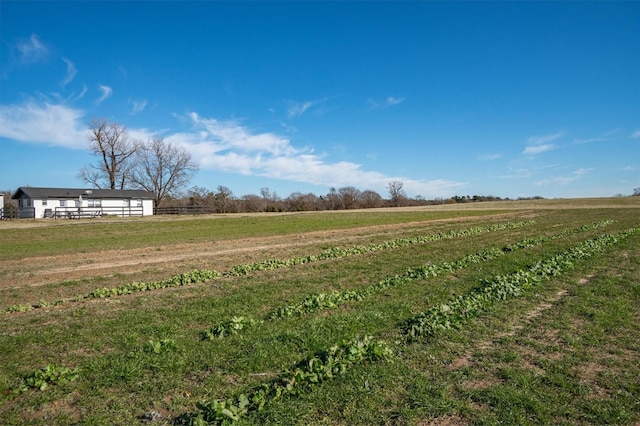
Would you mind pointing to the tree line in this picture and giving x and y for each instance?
(223, 200)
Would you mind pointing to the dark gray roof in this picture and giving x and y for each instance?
(32, 192)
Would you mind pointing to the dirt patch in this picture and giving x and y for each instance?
(444, 421)
(42, 270)
(463, 361)
(65, 407)
(481, 383)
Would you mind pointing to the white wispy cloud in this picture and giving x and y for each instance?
(227, 145)
(44, 123)
(71, 72)
(32, 50)
(106, 93)
(538, 149)
(490, 157)
(523, 170)
(389, 101)
(296, 109)
(81, 94)
(567, 179)
(539, 144)
(545, 139)
(137, 105)
(588, 140)
(635, 134)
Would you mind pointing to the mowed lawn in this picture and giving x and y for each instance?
(521, 314)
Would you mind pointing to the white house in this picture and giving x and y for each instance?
(75, 203)
(1, 204)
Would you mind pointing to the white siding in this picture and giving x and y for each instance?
(147, 207)
(109, 206)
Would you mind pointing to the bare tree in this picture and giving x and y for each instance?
(272, 201)
(370, 199)
(223, 200)
(332, 200)
(252, 203)
(350, 196)
(162, 168)
(396, 193)
(297, 201)
(200, 196)
(110, 143)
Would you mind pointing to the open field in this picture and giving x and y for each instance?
(513, 313)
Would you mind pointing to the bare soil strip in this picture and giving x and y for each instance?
(41, 270)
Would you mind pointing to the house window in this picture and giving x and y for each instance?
(63, 203)
(139, 203)
(44, 202)
(94, 202)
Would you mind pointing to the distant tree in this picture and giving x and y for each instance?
(200, 196)
(272, 201)
(350, 197)
(266, 193)
(161, 168)
(333, 201)
(370, 199)
(10, 207)
(223, 200)
(636, 192)
(253, 203)
(396, 193)
(298, 202)
(115, 152)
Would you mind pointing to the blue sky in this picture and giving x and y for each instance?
(451, 98)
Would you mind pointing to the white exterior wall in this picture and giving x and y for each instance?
(109, 206)
(39, 207)
(147, 207)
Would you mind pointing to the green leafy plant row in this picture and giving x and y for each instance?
(160, 346)
(337, 252)
(502, 287)
(193, 277)
(206, 275)
(42, 378)
(233, 326)
(321, 367)
(336, 298)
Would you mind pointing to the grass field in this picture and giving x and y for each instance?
(492, 313)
